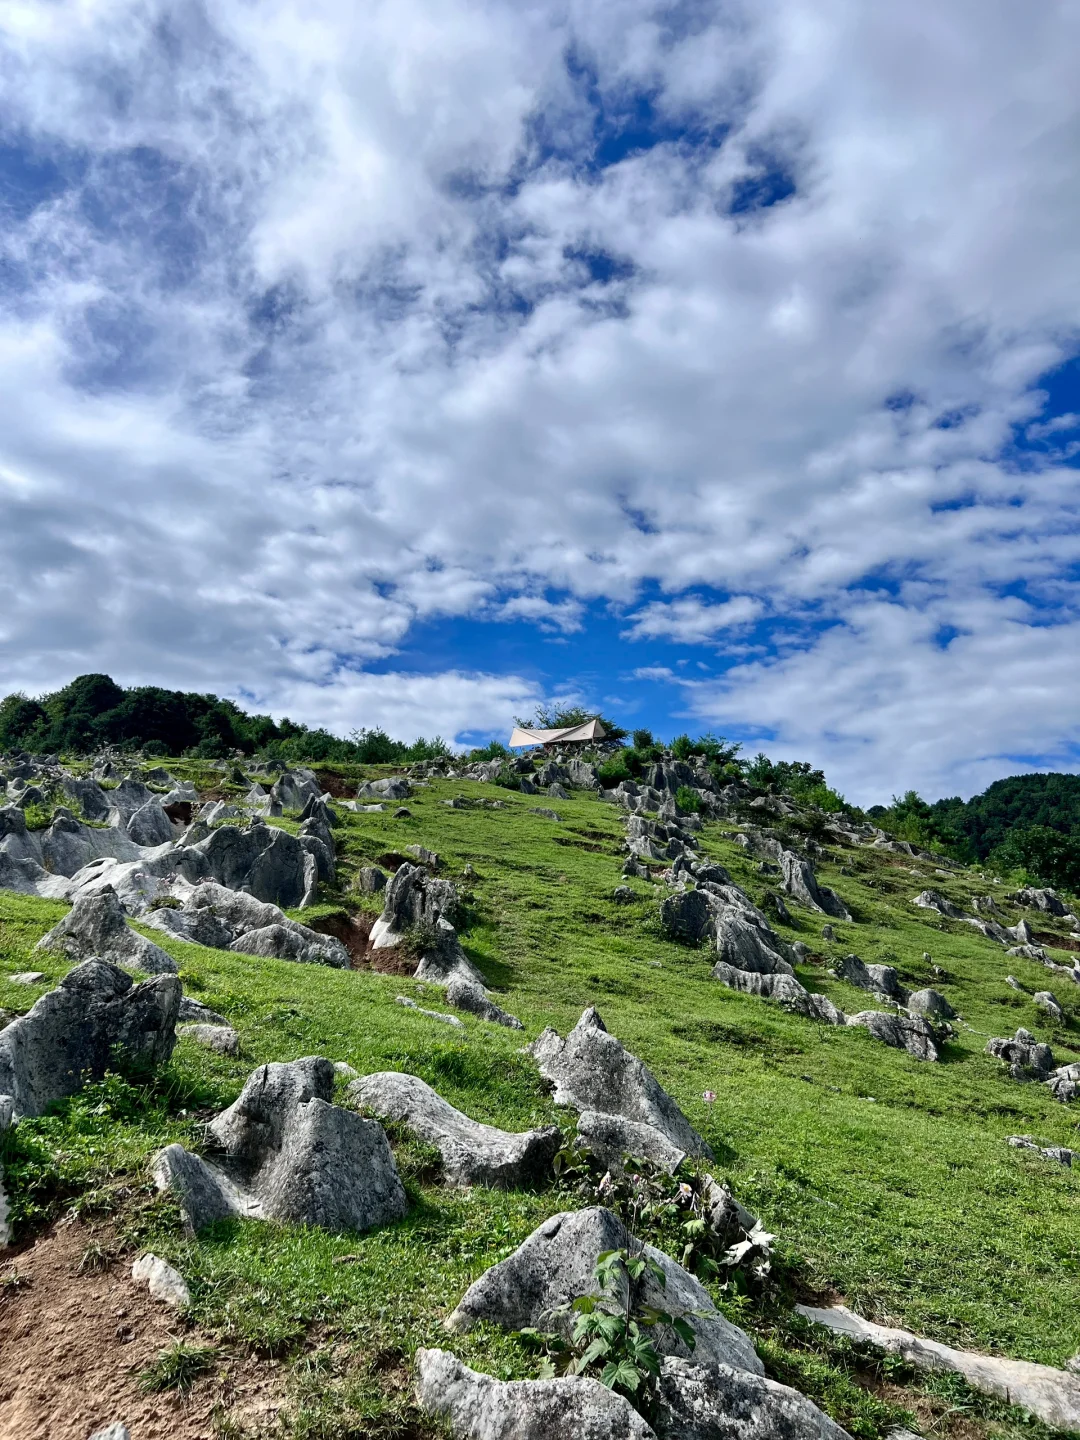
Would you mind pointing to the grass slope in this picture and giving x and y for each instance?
(888, 1181)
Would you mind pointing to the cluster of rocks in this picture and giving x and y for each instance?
(1029, 1059)
(419, 909)
(1019, 939)
(756, 961)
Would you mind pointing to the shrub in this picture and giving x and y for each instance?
(682, 747)
(687, 799)
(613, 772)
(643, 740)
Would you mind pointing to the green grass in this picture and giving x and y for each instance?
(888, 1181)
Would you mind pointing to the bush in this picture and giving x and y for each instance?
(493, 750)
(507, 779)
(682, 747)
(643, 740)
(613, 772)
(687, 800)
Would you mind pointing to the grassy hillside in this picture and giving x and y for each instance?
(887, 1181)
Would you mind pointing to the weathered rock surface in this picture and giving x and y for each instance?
(934, 900)
(688, 916)
(478, 1407)
(555, 1265)
(283, 1152)
(747, 943)
(801, 884)
(73, 1033)
(414, 898)
(611, 1138)
(1052, 1395)
(930, 1003)
(784, 989)
(472, 1153)
(901, 1032)
(723, 1403)
(97, 926)
(221, 1038)
(1026, 1058)
(163, 1282)
(394, 787)
(465, 994)
(591, 1070)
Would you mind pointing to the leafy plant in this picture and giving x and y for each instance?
(176, 1368)
(687, 800)
(38, 817)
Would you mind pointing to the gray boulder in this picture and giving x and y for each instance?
(610, 1138)
(784, 989)
(195, 1012)
(294, 788)
(543, 812)
(267, 863)
(370, 879)
(414, 898)
(130, 795)
(934, 900)
(687, 917)
(283, 1152)
(73, 1033)
(472, 1153)
(555, 1265)
(444, 961)
(592, 1070)
(465, 994)
(1026, 1058)
(478, 1407)
(723, 1403)
(282, 942)
(900, 1032)
(801, 884)
(931, 1004)
(395, 787)
(746, 943)
(96, 926)
(87, 796)
(221, 1038)
(196, 927)
(150, 825)
(1048, 1002)
(1047, 901)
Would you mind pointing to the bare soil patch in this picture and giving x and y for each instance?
(72, 1347)
(353, 931)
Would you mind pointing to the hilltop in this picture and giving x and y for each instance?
(885, 1177)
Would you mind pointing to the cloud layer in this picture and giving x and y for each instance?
(320, 321)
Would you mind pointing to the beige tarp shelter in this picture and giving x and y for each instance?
(591, 730)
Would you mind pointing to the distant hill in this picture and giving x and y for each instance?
(1017, 803)
(94, 711)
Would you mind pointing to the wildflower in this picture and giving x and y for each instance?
(708, 1096)
(685, 1191)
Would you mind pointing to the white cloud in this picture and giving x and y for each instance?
(691, 621)
(307, 349)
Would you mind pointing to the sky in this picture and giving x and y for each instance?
(713, 365)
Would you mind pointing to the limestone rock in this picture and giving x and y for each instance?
(72, 1033)
(116, 1431)
(163, 1282)
(901, 1032)
(478, 1407)
(431, 1014)
(370, 879)
(799, 881)
(1048, 1001)
(413, 898)
(96, 926)
(1052, 1395)
(784, 989)
(222, 1038)
(283, 1152)
(745, 943)
(283, 943)
(610, 1138)
(722, 1403)
(555, 1264)
(472, 1153)
(465, 994)
(1026, 1058)
(687, 917)
(150, 825)
(934, 900)
(931, 1004)
(196, 1013)
(591, 1070)
(394, 787)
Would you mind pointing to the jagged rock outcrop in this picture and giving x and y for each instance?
(592, 1070)
(931, 1004)
(74, 1032)
(394, 787)
(97, 926)
(555, 1264)
(1052, 1395)
(784, 989)
(801, 884)
(464, 993)
(934, 900)
(478, 1407)
(900, 1032)
(1026, 1057)
(610, 1138)
(284, 1152)
(472, 1153)
(719, 1402)
(214, 915)
(414, 898)
(688, 917)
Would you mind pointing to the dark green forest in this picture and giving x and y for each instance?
(94, 711)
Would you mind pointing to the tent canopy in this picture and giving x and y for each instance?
(591, 730)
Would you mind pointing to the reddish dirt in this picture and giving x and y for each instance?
(392, 860)
(1055, 942)
(352, 930)
(332, 784)
(73, 1345)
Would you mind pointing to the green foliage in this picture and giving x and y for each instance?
(558, 717)
(1045, 856)
(687, 800)
(1021, 802)
(614, 771)
(643, 739)
(176, 1368)
(493, 750)
(38, 817)
(682, 747)
(93, 711)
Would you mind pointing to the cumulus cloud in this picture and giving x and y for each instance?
(691, 621)
(319, 321)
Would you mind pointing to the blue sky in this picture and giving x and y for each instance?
(715, 365)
